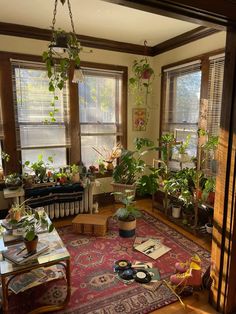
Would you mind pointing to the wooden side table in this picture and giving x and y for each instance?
(90, 224)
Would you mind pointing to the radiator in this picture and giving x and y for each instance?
(63, 201)
(57, 210)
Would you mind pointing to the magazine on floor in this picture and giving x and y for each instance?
(152, 248)
(36, 277)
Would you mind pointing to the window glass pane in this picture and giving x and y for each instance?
(101, 128)
(187, 99)
(58, 154)
(97, 96)
(33, 97)
(100, 112)
(42, 135)
(103, 143)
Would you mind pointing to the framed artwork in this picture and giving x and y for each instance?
(139, 119)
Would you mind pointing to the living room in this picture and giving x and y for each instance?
(24, 38)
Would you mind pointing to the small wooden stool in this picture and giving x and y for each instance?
(90, 224)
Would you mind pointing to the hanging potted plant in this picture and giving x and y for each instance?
(141, 81)
(127, 214)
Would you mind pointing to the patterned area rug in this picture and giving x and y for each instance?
(95, 288)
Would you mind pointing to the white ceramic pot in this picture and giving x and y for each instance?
(176, 210)
(209, 228)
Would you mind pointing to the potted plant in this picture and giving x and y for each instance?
(210, 147)
(13, 181)
(32, 223)
(130, 167)
(182, 149)
(75, 173)
(140, 82)
(39, 167)
(208, 193)
(17, 211)
(127, 214)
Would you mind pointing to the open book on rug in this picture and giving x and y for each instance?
(152, 248)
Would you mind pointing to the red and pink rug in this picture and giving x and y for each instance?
(95, 288)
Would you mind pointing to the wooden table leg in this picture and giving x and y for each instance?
(4, 295)
(68, 280)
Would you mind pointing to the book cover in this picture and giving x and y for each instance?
(153, 248)
(17, 253)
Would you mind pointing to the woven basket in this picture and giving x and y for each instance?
(117, 187)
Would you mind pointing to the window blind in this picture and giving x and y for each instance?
(181, 102)
(32, 104)
(215, 88)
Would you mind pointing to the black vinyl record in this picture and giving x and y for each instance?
(122, 264)
(127, 274)
(142, 276)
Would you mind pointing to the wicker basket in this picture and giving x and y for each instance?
(117, 187)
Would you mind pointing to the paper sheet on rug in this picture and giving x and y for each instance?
(140, 240)
(153, 248)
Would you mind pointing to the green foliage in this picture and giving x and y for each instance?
(141, 80)
(131, 165)
(167, 142)
(212, 143)
(210, 186)
(129, 211)
(182, 148)
(40, 166)
(58, 66)
(148, 183)
(5, 156)
(32, 222)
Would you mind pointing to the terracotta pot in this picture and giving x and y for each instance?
(211, 198)
(146, 74)
(76, 178)
(15, 215)
(31, 246)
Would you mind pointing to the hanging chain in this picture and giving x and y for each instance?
(71, 18)
(54, 15)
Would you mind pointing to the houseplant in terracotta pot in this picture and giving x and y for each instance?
(127, 214)
(31, 223)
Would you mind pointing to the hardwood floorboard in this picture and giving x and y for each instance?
(198, 302)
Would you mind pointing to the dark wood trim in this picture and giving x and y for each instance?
(9, 142)
(208, 13)
(198, 57)
(183, 39)
(86, 41)
(101, 43)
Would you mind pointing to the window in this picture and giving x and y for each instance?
(215, 88)
(32, 102)
(182, 101)
(100, 112)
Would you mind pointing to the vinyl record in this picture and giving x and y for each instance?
(127, 274)
(142, 276)
(122, 264)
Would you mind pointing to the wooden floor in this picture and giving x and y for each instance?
(198, 303)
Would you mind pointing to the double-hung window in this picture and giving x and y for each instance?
(181, 106)
(33, 104)
(100, 110)
(180, 110)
